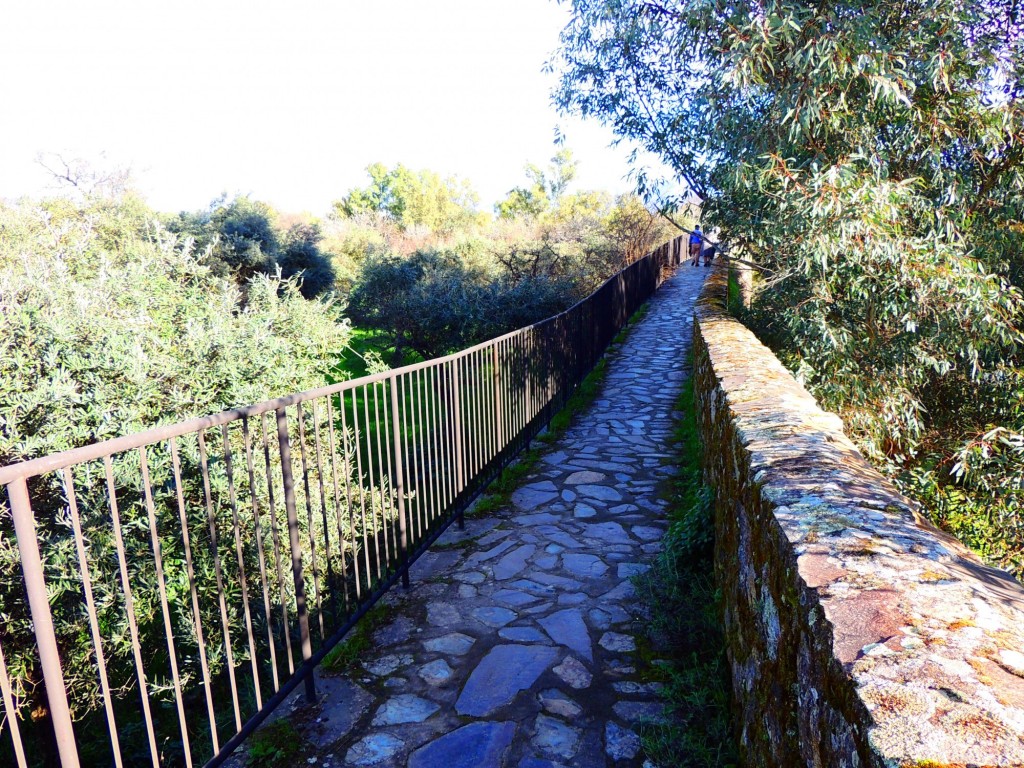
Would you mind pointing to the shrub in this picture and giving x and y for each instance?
(110, 325)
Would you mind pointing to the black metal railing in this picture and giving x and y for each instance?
(162, 592)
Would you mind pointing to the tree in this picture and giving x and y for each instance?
(867, 156)
(300, 257)
(240, 238)
(413, 199)
(545, 187)
(635, 229)
(434, 303)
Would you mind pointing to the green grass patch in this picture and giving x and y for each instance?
(363, 345)
(584, 395)
(734, 300)
(342, 657)
(439, 546)
(684, 647)
(278, 745)
(498, 493)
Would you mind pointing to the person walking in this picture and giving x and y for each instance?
(696, 239)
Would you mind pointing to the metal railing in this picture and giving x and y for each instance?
(162, 592)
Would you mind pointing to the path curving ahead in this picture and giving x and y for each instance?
(513, 648)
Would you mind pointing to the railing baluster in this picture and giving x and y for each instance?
(129, 604)
(12, 717)
(301, 418)
(172, 653)
(332, 446)
(42, 621)
(418, 438)
(382, 481)
(196, 615)
(331, 587)
(403, 537)
(369, 476)
(348, 494)
(94, 627)
(392, 478)
(288, 481)
(479, 429)
(444, 466)
(433, 468)
(258, 529)
(356, 435)
(229, 654)
(457, 428)
(243, 582)
(276, 536)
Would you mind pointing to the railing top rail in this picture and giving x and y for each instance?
(24, 470)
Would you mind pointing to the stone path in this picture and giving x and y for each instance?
(514, 647)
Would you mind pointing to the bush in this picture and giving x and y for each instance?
(434, 303)
(110, 325)
(242, 238)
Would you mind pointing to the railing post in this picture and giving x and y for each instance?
(42, 620)
(396, 433)
(293, 539)
(457, 414)
(498, 425)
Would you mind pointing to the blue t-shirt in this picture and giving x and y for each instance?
(695, 238)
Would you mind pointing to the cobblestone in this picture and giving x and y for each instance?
(526, 629)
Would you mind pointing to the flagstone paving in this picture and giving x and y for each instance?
(515, 646)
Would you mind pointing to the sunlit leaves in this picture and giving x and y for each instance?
(868, 156)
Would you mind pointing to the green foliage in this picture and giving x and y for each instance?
(110, 325)
(115, 320)
(278, 745)
(634, 230)
(434, 302)
(241, 238)
(413, 199)
(544, 188)
(680, 594)
(867, 156)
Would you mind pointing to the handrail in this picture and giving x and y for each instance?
(277, 524)
(54, 461)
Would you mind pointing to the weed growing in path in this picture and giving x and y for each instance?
(680, 594)
(345, 654)
(278, 745)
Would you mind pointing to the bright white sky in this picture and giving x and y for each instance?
(289, 101)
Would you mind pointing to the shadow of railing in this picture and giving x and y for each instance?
(162, 592)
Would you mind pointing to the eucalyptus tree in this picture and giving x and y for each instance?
(867, 156)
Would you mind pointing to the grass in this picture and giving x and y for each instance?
(278, 745)
(363, 346)
(684, 633)
(734, 301)
(342, 657)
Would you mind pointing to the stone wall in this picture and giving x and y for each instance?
(858, 634)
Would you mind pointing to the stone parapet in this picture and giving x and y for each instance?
(858, 633)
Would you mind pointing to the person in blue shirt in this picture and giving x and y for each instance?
(695, 245)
